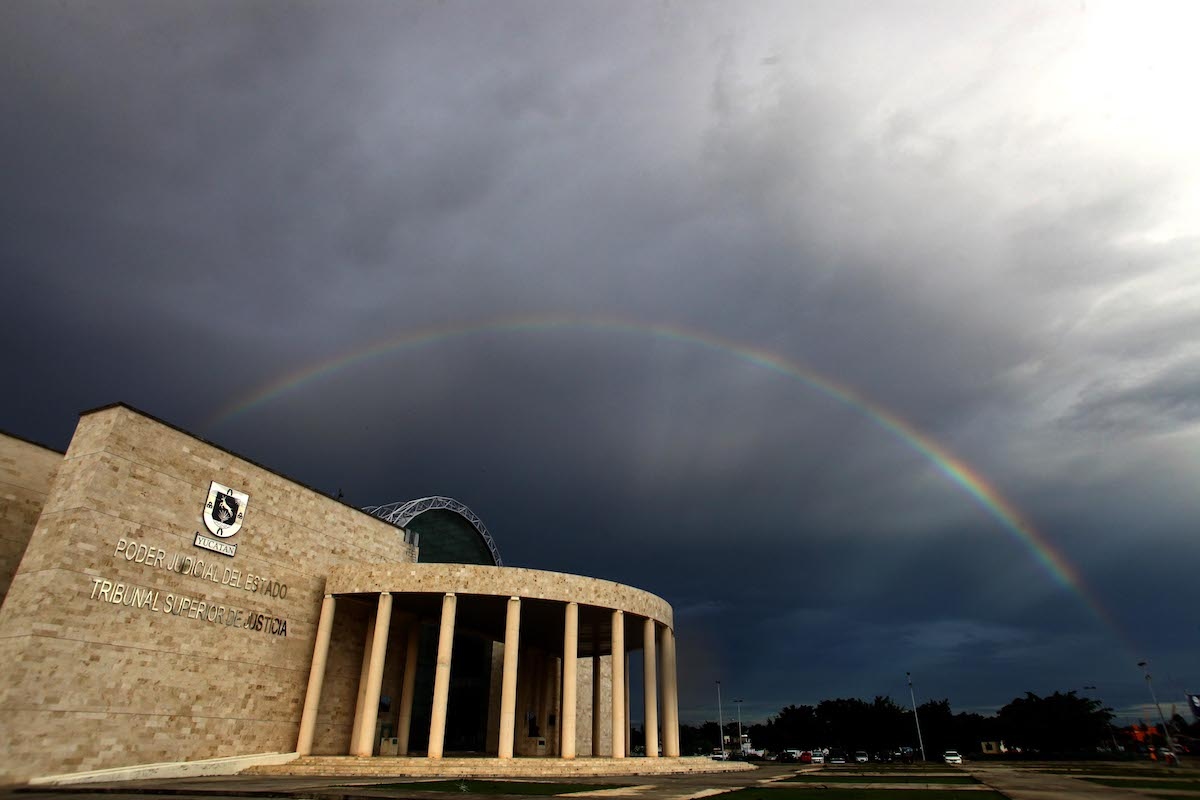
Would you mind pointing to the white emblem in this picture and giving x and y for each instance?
(224, 510)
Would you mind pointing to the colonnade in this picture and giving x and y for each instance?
(659, 679)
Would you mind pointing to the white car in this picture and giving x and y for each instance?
(861, 757)
(818, 757)
(952, 757)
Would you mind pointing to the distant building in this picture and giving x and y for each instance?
(165, 600)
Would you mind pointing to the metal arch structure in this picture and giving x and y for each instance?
(400, 514)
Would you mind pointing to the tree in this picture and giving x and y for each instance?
(970, 730)
(794, 727)
(1059, 723)
(937, 727)
(698, 740)
(891, 726)
(844, 722)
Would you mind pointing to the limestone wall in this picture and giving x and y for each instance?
(124, 643)
(26, 471)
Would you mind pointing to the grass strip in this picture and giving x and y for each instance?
(1119, 769)
(1148, 783)
(947, 779)
(834, 793)
(494, 787)
(938, 767)
(899, 770)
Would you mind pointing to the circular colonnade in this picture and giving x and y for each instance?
(545, 621)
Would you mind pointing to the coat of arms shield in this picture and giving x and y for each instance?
(224, 510)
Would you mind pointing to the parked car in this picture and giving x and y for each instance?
(818, 757)
(806, 757)
(952, 757)
(837, 757)
(861, 757)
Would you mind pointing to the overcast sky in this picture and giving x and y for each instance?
(980, 218)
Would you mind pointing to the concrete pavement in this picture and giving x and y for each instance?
(648, 787)
(1027, 784)
(1017, 783)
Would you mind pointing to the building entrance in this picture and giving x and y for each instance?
(470, 683)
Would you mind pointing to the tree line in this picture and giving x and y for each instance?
(1060, 723)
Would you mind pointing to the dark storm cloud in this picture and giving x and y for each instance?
(1162, 402)
(976, 217)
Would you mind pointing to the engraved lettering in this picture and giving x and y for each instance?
(194, 608)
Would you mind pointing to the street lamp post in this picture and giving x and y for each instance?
(721, 722)
(1109, 725)
(1166, 731)
(917, 719)
(741, 747)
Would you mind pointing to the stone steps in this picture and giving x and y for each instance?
(387, 766)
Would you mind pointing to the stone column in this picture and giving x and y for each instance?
(670, 692)
(597, 694)
(618, 684)
(548, 688)
(650, 689)
(370, 710)
(508, 691)
(362, 684)
(441, 679)
(409, 688)
(558, 701)
(316, 677)
(628, 716)
(569, 680)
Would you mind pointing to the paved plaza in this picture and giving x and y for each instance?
(1016, 783)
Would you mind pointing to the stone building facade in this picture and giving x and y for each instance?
(175, 602)
(26, 472)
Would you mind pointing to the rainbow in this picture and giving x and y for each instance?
(956, 470)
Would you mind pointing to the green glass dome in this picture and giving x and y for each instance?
(447, 537)
(444, 530)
